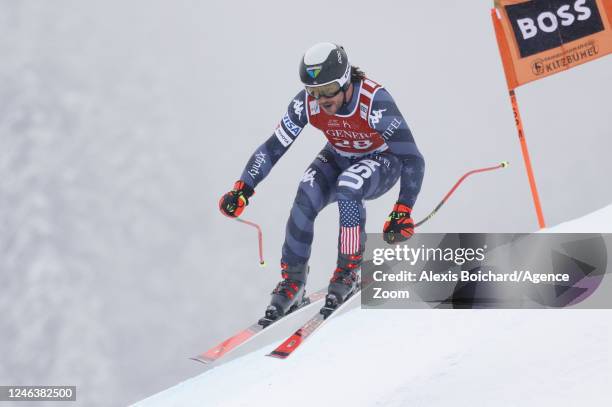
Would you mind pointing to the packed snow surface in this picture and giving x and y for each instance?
(426, 358)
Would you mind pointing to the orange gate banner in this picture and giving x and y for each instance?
(539, 38)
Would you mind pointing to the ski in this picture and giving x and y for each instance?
(284, 350)
(245, 335)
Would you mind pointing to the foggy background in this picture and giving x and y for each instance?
(123, 122)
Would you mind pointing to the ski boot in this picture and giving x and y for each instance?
(344, 283)
(288, 295)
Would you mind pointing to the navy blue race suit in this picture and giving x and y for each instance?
(335, 175)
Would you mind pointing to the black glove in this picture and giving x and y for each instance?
(399, 225)
(233, 203)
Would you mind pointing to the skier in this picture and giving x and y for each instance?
(369, 147)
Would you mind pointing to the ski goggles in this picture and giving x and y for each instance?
(328, 90)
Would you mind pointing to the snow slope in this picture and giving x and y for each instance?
(599, 221)
(426, 358)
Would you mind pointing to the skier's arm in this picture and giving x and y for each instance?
(267, 155)
(263, 159)
(387, 120)
(393, 127)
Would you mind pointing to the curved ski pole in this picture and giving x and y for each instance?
(262, 262)
(503, 164)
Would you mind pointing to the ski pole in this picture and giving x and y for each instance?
(262, 262)
(503, 164)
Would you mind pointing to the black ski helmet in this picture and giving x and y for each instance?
(325, 63)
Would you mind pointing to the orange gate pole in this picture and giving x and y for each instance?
(526, 159)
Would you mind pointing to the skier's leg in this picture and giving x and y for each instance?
(367, 179)
(316, 190)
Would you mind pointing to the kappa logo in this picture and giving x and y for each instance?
(314, 107)
(376, 116)
(309, 177)
(313, 71)
(298, 106)
(346, 124)
(542, 25)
